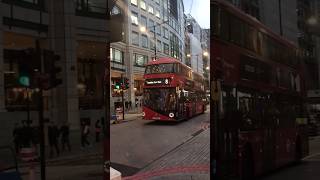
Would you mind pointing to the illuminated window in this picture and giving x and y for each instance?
(140, 60)
(134, 2)
(157, 13)
(134, 18)
(143, 5)
(150, 9)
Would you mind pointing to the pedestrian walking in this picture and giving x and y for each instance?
(26, 135)
(84, 134)
(17, 137)
(126, 105)
(64, 130)
(53, 135)
(136, 102)
(98, 130)
(130, 105)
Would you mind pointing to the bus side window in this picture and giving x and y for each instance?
(224, 25)
(216, 20)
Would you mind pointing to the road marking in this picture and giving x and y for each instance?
(313, 155)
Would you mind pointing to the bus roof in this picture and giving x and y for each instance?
(168, 60)
(253, 21)
(165, 60)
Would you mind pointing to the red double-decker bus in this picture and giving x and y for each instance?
(258, 92)
(172, 91)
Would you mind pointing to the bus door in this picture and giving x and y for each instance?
(184, 104)
(269, 145)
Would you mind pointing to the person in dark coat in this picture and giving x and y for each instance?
(126, 105)
(53, 135)
(136, 102)
(130, 105)
(26, 135)
(64, 130)
(17, 137)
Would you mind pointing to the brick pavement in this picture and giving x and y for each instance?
(190, 160)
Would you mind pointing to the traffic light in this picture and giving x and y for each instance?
(29, 65)
(126, 83)
(117, 85)
(51, 69)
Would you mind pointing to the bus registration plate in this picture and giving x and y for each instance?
(156, 117)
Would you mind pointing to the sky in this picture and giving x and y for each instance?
(200, 10)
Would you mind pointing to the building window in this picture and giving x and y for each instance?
(16, 96)
(159, 46)
(89, 84)
(116, 55)
(134, 18)
(151, 44)
(174, 45)
(143, 21)
(151, 23)
(165, 48)
(165, 15)
(143, 5)
(150, 9)
(157, 13)
(134, 2)
(158, 29)
(140, 60)
(165, 33)
(144, 41)
(94, 6)
(135, 38)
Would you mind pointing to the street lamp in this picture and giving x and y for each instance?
(197, 55)
(205, 53)
(312, 21)
(144, 29)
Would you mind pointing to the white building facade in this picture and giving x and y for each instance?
(194, 52)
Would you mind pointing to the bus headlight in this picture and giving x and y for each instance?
(143, 114)
(171, 115)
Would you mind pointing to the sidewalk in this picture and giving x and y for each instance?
(190, 160)
(129, 116)
(95, 150)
